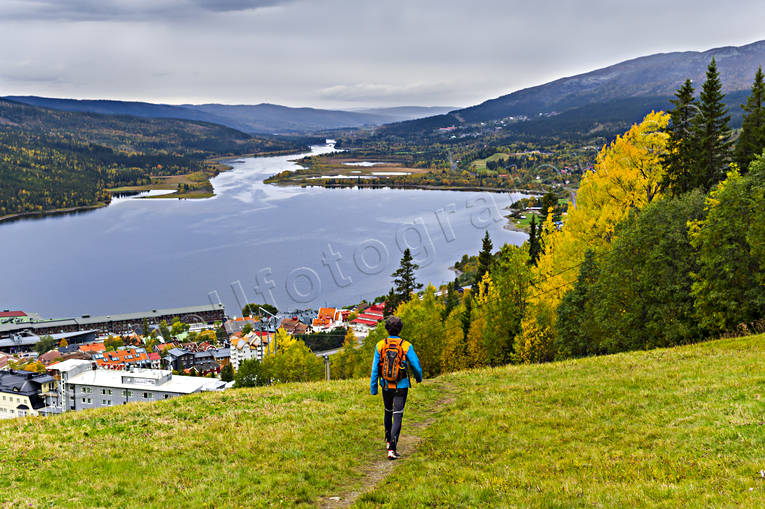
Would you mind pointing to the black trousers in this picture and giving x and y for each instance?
(394, 400)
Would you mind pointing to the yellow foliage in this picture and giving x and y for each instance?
(282, 341)
(626, 177)
(535, 343)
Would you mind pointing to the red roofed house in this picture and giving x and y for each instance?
(156, 360)
(12, 314)
(293, 326)
(123, 357)
(368, 319)
(50, 357)
(93, 348)
(329, 318)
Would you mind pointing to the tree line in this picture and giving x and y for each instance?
(664, 247)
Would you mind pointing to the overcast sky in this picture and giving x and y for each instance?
(340, 53)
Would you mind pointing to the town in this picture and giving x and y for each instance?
(51, 366)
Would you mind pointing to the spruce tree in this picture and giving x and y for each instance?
(391, 303)
(711, 134)
(484, 261)
(404, 283)
(451, 299)
(678, 161)
(465, 319)
(534, 246)
(751, 141)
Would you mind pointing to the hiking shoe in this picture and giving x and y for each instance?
(393, 455)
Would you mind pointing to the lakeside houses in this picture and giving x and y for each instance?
(56, 355)
(8, 316)
(202, 362)
(119, 323)
(293, 326)
(155, 360)
(178, 359)
(330, 318)
(368, 319)
(249, 346)
(25, 393)
(80, 385)
(222, 356)
(122, 357)
(326, 320)
(236, 324)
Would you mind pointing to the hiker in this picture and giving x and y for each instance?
(394, 357)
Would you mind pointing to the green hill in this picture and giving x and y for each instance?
(53, 160)
(682, 427)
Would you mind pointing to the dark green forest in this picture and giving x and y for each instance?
(54, 160)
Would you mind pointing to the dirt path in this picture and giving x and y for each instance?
(377, 471)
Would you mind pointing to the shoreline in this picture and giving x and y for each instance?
(52, 212)
(498, 190)
(191, 195)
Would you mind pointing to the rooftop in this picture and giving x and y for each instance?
(86, 320)
(12, 314)
(119, 379)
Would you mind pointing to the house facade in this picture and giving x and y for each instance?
(250, 346)
(25, 393)
(84, 387)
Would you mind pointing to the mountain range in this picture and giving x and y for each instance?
(252, 119)
(637, 86)
(604, 100)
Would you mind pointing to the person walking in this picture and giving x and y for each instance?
(394, 358)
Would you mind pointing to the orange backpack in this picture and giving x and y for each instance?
(391, 358)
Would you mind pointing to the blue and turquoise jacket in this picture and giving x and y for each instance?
(410, 362)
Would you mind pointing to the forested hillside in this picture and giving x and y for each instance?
(652, 77)
(52, 159)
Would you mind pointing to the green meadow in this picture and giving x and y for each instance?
(681, 427)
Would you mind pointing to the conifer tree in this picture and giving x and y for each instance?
(404, 283)
(678, 161)
(534, 246)
(465, 317)
(752, 139)
(484, 260)
(451, 300)
(711, 134)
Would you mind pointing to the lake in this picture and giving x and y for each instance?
(288, 246)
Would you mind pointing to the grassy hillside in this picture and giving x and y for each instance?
(675, 427)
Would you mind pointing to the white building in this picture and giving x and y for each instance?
(82, 386)
(248, 347)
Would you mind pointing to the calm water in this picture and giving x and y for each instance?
(293, 247)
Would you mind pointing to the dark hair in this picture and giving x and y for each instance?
(393, 325)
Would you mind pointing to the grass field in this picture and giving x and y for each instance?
(480, 164)
(681, 427)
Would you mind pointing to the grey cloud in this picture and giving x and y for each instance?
(126, 10)
(374, 92)
(340, 53)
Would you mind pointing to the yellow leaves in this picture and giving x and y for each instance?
(627, 176)
(535, 343)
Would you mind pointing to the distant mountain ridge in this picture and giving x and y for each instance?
(653, 76)
(261, 118)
